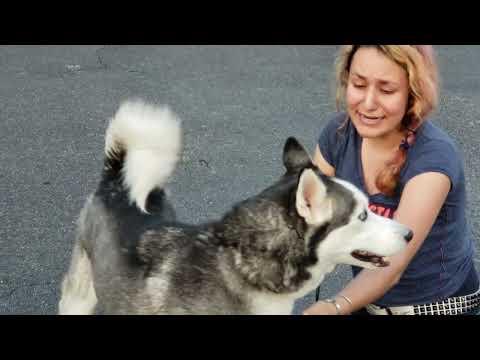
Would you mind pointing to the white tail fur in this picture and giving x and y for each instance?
(152, 139)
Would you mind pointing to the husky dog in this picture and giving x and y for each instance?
(131, 256)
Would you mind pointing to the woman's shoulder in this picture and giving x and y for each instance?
(434, 151)
(334, 138)
(432, 138)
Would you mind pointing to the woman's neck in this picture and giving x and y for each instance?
(385, 143)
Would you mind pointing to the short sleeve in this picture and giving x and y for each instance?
(330, 139)
(436, 156)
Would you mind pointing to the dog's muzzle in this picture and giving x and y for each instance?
(451, 306)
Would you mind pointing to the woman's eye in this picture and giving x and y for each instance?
(388, 91)
(363, 216)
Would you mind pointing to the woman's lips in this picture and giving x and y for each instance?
(370, 120)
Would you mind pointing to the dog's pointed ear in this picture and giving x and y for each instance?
(295, 157)
(311, 199)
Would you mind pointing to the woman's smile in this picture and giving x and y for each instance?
(368, 119)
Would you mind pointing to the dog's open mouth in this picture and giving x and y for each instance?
(380, 261)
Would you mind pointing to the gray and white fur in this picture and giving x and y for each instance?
(132, 257)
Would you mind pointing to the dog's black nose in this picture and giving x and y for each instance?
(409, 236)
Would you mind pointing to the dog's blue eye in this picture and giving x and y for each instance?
(363, 216)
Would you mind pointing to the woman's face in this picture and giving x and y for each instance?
(377, 93)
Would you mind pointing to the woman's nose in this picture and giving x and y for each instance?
(370, 100)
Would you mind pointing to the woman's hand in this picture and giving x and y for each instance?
(321, 308)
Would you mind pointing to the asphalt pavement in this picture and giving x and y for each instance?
(238, 105)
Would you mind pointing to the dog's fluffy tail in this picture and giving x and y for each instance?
(142, 146)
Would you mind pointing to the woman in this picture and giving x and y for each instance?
(412, 172)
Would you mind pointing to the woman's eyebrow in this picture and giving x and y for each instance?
(381, 81)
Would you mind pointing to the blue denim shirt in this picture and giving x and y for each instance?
(444, 260)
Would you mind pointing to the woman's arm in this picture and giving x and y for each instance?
(420, 203)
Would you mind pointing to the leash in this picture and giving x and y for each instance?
(317, 293)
